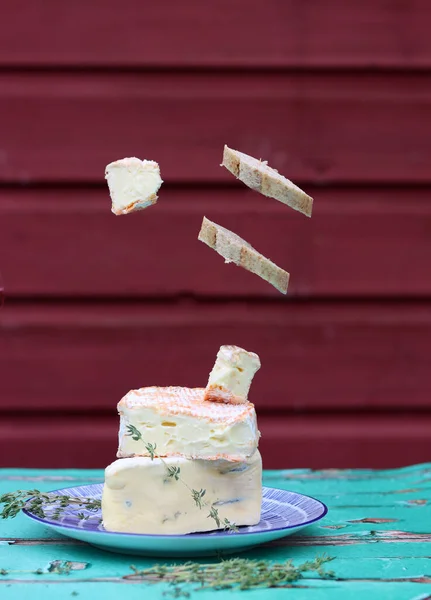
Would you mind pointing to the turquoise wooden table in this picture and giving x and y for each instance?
(378, 530)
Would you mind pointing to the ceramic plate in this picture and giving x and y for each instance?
(283, 513)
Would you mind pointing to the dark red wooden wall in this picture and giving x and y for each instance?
(337, 96)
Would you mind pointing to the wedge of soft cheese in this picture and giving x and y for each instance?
(140, 497)
(133, 184)
(232, 374)
(179, 422)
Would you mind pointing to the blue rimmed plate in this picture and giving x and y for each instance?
(283, 513)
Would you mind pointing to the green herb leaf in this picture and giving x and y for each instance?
(174, 472)
(134, 432)
(37, 502)
(213, 514)
(151, 450)
(228, 526)
(198, 496)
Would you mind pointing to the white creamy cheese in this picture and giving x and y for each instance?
(181, 423)
(140, 497)
(133, 184)
(232, 374)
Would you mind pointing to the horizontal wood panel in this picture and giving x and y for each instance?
(314, 356)
(290, 442)
(313, 128)
(276, 33)
(359, 242)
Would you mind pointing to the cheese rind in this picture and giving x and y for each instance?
(140, 497)
(231, 376)
(181, 423)
(133, 184)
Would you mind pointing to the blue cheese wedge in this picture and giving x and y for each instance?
(179, 422)
(133, 184)
(232, 374)
(140, 497)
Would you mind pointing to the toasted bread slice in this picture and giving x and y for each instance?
(234, 249)
(257, 175)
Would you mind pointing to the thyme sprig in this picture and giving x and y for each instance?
(198, 498)
(137, 436)
(235, 573)
(36, 502)
(239, 573)
(174, 472)
(134, 433)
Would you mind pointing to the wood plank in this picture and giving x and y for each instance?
(314, 356)
(276, 33)
(109, 588)
(339, 541)
(313, 128)
(287, 442)
(100, 567)
(46, 249)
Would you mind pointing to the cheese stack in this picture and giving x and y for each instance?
(175, 442)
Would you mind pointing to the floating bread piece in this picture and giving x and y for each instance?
(235, 249)
(257, 175)
(181, 423)
(133, 184)
(231, 376)
(140, 497)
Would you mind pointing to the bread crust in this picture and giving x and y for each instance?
(234, 249)
(257, 175)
